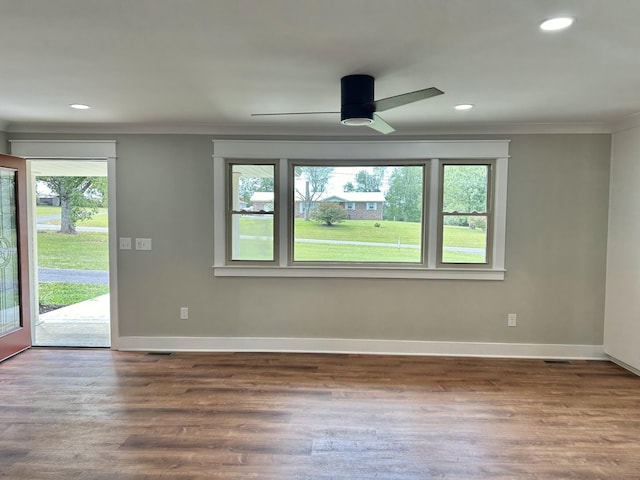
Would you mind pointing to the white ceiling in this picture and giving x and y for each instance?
(206, 65)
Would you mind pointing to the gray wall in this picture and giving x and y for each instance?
(556, 252)
(4, 142)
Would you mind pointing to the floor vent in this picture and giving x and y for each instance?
(561, 362)
(159, 353)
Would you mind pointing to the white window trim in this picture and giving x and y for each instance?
(374, 208)
(361, 150)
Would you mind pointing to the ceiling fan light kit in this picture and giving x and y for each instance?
(356, 100)
(357, 121)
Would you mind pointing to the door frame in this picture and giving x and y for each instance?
(76, 150)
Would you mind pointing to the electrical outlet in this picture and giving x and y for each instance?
(511, 320)
(125, 243)
(143, 244)
(184, 313)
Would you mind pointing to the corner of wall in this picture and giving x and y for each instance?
(621, 329)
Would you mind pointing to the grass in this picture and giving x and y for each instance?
(63, 293)
(349, 253)
(83, 251)
(359, 231)
(464, 237)
(99, 220)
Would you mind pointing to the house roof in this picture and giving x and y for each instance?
(205, 66)
(262, 197)
(342, 197)
(355, 197)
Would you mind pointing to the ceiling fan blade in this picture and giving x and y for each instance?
(399, 100)
(289, 113)
(380, 125)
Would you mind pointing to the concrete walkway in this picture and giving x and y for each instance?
(84, 324)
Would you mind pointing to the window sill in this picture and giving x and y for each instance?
(360, 272)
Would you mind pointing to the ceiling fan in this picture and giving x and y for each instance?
(358, 107)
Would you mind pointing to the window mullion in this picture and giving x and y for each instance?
(433, 212)
(283, 216)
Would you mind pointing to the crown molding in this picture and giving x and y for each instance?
(627, 123)
(337, 131)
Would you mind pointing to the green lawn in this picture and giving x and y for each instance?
(101, 219)
(464, 237)
(63, 293)
(359, 231)
(311, 252)
(83, 251)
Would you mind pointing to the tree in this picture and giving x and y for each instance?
(348, 187)
(329, 213)
(404, 197)
(369, 181)
(465, 190)
(315, 184)
(247, 186)
(80, 198)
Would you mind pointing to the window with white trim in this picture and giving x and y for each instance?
(438, 209)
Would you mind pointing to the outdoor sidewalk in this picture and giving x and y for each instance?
(84, 324)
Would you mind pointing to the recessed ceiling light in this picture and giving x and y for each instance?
(558, 23)
(80, 106)
(464, 106)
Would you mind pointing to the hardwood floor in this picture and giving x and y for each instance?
(97, 414)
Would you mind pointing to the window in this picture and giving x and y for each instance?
(328, 234)
(251, 212)
(464, 215)
(391, 209)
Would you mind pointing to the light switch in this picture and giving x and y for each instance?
(143, 244)
(125, 243)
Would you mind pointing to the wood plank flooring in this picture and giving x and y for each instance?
(98, 415)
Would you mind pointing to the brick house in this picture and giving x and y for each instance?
(359, 205)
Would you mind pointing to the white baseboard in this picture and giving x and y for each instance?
(624, 365)
(360, 346)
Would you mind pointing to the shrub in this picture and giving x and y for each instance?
(478, 222)
(328, 213)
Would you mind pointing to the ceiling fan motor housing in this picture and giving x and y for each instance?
(357, 105)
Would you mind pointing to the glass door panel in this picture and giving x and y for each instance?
(15, 321)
